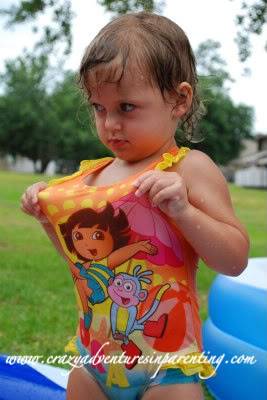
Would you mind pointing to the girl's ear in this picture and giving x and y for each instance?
(183, 100)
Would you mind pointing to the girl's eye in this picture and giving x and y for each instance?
(98, 107)
(98, 235)
(126, 107)
(77, 236)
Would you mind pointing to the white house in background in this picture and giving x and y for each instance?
(250, 169)
(24, 164)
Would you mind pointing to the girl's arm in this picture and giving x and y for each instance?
(29, 205)
(209, 223)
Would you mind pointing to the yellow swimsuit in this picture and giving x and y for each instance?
(133, 271)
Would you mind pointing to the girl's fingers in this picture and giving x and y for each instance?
(35, 212)
(34, 198)
(169, 192)
(161, 184)
(30, 198)
(33, 192)
(27, 204)
(28, 210)
(24, 203)
(141, 178)
(154, 181)
(145, 185)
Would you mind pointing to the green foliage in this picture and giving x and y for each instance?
(58, 30)
(125, 6)
(224, 127)
(44, 125)
(211, 64)
(251, 20)
(225, 124)
(27, 122)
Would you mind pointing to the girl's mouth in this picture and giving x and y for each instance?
(117, 143)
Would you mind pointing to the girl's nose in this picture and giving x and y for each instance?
(112, 122)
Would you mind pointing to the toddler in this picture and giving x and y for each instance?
(132, 227)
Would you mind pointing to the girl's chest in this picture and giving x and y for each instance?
(108, 176)
(115, 176)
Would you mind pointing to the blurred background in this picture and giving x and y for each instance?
(46, 129)
(45, 125)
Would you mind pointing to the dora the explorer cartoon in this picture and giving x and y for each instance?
(95, 236)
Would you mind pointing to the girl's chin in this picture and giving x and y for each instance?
(126, 153)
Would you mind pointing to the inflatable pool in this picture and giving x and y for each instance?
(236, 333)
(31, 381)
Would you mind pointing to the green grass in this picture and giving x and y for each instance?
(37, 303)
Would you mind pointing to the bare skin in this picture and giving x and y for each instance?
(192, 391)
(82, 387)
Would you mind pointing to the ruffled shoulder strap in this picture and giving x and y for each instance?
(169, 159)
(85, 165)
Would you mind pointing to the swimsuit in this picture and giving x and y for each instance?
(134, 276)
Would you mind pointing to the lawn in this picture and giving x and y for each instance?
(37, 302)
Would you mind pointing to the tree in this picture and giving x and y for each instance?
(251, 20)
(59, 29)
(27, 124)
(224, 127)
(45, 125)
(225, 124)
(211, 64)
(124, 6)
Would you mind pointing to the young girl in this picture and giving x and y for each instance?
(132, 228)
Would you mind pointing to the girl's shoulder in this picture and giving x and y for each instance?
(198, 163)
(202, 176)
(85, 165)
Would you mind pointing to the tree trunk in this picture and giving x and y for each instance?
(44, 164)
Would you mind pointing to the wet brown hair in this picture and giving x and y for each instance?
(86, 218)
(156, 46)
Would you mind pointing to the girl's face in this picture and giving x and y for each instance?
(92, 243)
(132, 118)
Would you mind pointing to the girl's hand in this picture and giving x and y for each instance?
(166, 190)
(29, 201)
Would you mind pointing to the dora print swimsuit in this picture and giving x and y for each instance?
(134, 278)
